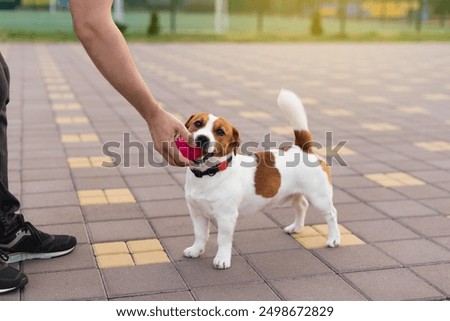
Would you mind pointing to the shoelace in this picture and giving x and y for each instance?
(4, 256)
(34, 232)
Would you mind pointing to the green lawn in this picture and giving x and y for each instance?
(37, 24)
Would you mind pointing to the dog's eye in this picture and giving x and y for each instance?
(220, 132)
(198, 123)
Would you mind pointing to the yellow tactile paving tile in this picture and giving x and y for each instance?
(58, 87)
(119, 196)
(373, 99)
(315, 237)
(106, 196)
(282, 130)
(337, 112)
(382, 126)
(150, 258)
(71, 120)
(54, 80)
(110, 248)
(254, 114)
(79, 138)
(129, 253)
(343, 151)
(412, 110)
(88, 162)
(309, 100)
(114, 260)
(56, 96)
(92, 197)
(69, 106)
(208, 93)
(396, 179)
(229, 102)
(144, 246)
(434, 146)
(399, 89)
(342, 90)
(436, 97)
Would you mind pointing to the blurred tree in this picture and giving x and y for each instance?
(261, 7)
(154, 27)
(419, 16)
(342, 14)
(442, 9)
(316, 24)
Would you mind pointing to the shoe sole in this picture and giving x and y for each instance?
(22, 283)
(18, 257)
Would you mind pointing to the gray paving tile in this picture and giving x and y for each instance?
(255, 291)
(81, 258)
(404, 208)
(111, 212)
(157, 193)
(102, 182)
(356, 258)
(431, 226)
(144, 279)
(53, 215)
(396, 284)
(445, 241)
(375, 194)
(295, 263)
(150, 180)
(164, 208)
(317, 288)
(442, 205)
(415, 251)
(123, 230)
(83, 285)
(421, 192)
(436, 274)
(356, 212)
(169, 296)
(257, 241)
(49, 199)
(200, 272)
(380, 230)
(47, 186)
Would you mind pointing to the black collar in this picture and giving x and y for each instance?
(212, 170)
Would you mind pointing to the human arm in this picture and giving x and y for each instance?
(105, 45)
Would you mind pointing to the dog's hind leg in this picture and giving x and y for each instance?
(324, 203)
(201, 231)
(300, 205)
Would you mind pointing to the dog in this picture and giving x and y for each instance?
(224, 184)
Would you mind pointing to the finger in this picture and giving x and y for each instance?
(186, 135)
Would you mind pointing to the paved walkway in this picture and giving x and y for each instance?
(390, 102)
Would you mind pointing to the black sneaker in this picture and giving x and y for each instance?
(11, 279)
(27, 243)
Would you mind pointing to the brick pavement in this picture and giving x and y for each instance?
(389, 101)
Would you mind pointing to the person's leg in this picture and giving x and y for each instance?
(10, 278)
(20, 240)
(8, 203)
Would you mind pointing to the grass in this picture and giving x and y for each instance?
(20, 25)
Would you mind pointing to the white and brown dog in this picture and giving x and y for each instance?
(226, 184)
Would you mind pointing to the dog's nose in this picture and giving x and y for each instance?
(202, 141)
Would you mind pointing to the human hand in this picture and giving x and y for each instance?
(163, 128)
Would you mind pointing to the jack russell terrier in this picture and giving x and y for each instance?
(225, 184)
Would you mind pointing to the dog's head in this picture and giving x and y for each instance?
(214, 135)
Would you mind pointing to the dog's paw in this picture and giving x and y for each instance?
(293, 228)
(193, 252)
(334, 241)
(222, 263)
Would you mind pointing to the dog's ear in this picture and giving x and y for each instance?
(188, 122)
(236, 142)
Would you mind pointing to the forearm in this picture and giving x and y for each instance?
(108, 50)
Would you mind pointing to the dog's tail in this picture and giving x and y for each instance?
(292, 108)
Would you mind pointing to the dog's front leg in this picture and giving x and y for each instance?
(225, 225)
(201, 231)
